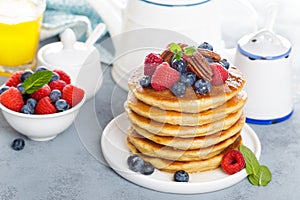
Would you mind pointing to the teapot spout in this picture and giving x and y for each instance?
(110, 12)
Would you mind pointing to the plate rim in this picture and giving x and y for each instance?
(177, 187)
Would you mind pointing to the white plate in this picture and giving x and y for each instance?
(116, 153)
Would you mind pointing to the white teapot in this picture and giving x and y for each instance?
(198, 20)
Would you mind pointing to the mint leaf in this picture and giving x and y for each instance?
(262, 178)
(36, 81)
(252, 164)
(189, 51)
(175, 48)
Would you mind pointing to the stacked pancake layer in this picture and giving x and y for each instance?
(189, 133)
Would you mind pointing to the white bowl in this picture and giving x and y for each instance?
(41, 127)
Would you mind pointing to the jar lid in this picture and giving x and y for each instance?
(68, 52)
(264, 45)
(172, 3)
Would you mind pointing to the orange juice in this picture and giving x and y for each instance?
(20, 22)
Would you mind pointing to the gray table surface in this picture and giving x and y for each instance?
(71, 166)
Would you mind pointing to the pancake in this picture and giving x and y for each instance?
(188, 166)
(150, 148)
(187, 119)
(194, 142)
(191, 102)
(164, 129)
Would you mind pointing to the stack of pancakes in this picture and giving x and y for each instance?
(188, 133)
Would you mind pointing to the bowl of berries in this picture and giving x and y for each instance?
(40, 104)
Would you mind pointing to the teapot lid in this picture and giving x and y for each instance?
(264, 45)
(68, 52)
(172, 3)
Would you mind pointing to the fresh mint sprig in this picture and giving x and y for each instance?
(36, 81)
(176, 49)
(258, 175)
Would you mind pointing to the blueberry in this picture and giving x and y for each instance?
(21, 88)
(41, 68)
(55, 77)
(178, 89)
(181, 176)
(225, 63)
(27, 109)
(25, 75)
(18, 144)
(206, 45)
(135, 163)
(202, 86)
(55, 95)
(188, 78)
(147, 168)
(31, 103)
(3, 89)
(61, 105)
(145, 81)
(179, 65)
(209, 60)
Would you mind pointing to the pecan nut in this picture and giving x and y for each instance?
(198, 64)
(210, 54)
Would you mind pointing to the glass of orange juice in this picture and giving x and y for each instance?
(20, 24)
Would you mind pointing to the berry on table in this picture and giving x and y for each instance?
(202, 86)
(12, 99)
(145, 81)
(41, 68)
(18, 144)
(135, 163)
(220, 74)
(61, 105)
(179, 65)
(206, 45)
(164, 77)
(25, 74)
(31, 103)
(21, 88)
(181, 176)
(151, 62)
(232, 162)
(147, 169)
(26, 109)
(55, 77)
(178, 89)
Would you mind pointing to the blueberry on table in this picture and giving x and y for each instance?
(31, 102)
(27, 110)
(188, 78)
(206, 45)
(147, 168)
(135, 163)
(55, 77)
(21, 88)
(225, 63)
(55, 95)
(41, 68)
(202, 86)
(18, 144)
(3, 89)
(181, 176)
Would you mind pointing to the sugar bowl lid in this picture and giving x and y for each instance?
(68, 52)
(264, 45)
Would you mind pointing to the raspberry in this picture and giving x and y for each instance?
(151, 62)
(220, 74)
(164, 77)
(72, 94)
(42, 92)
(232, 162)
(12, 99)
(44, 106)
(63, 75)
(57, 85)
(14, 79)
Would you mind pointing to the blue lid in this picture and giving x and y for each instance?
(177, 3)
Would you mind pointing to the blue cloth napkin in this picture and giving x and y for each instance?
(75, 14)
